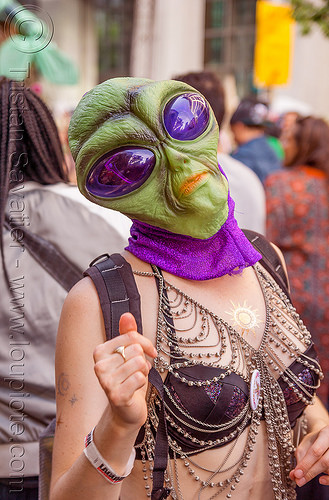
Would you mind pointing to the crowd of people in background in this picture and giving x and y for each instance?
(298, 223)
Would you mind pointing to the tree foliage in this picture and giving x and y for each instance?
(307, 12)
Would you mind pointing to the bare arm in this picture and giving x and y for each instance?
(95, 388)
(312, 454)
(317, 416)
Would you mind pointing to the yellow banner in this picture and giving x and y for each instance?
(273, 47)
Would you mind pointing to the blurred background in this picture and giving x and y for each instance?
(159, 39)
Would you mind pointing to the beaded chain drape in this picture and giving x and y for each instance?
(284, 332)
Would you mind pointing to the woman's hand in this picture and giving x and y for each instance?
(125, 381)
(312, 457)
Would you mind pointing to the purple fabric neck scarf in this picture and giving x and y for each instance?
(227, 252)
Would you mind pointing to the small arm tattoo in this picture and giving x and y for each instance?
(73, 399)
(59, 421)
(63, 384)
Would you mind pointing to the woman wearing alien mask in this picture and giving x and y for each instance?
(200, 404)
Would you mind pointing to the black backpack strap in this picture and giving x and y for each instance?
(116, 287)
(118, 293)
(270, 259)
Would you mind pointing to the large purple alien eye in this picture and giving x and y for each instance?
(120, 172)
(186, 117)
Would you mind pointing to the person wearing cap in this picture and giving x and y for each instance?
(253, 149)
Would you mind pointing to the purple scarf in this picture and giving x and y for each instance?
(227, 252)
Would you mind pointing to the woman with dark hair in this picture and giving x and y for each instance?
(30, 145)
(36, 202)
(298, 222)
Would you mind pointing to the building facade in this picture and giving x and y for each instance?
(159, 39)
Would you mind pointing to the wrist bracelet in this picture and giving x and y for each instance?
(100, 464)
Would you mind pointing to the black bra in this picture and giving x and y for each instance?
(220, 403)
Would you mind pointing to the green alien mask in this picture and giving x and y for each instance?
(149, 150)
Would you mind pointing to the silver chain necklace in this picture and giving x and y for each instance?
(177, 350)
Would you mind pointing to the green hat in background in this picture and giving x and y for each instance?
(29, 42)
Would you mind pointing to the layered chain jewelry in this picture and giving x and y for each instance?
(213, 342)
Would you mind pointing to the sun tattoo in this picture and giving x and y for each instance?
(244, 317)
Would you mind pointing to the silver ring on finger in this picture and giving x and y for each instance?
(121, 350)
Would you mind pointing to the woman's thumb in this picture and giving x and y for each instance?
(127, 323)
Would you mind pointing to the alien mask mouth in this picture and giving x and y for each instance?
(192, 183)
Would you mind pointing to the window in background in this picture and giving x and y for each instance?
(230, 39)
(114, 23)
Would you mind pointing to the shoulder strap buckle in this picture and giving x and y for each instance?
(100, 258)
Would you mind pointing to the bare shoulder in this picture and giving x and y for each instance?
(82, 294)
(82, 309)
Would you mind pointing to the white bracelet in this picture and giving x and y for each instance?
(100, 464)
